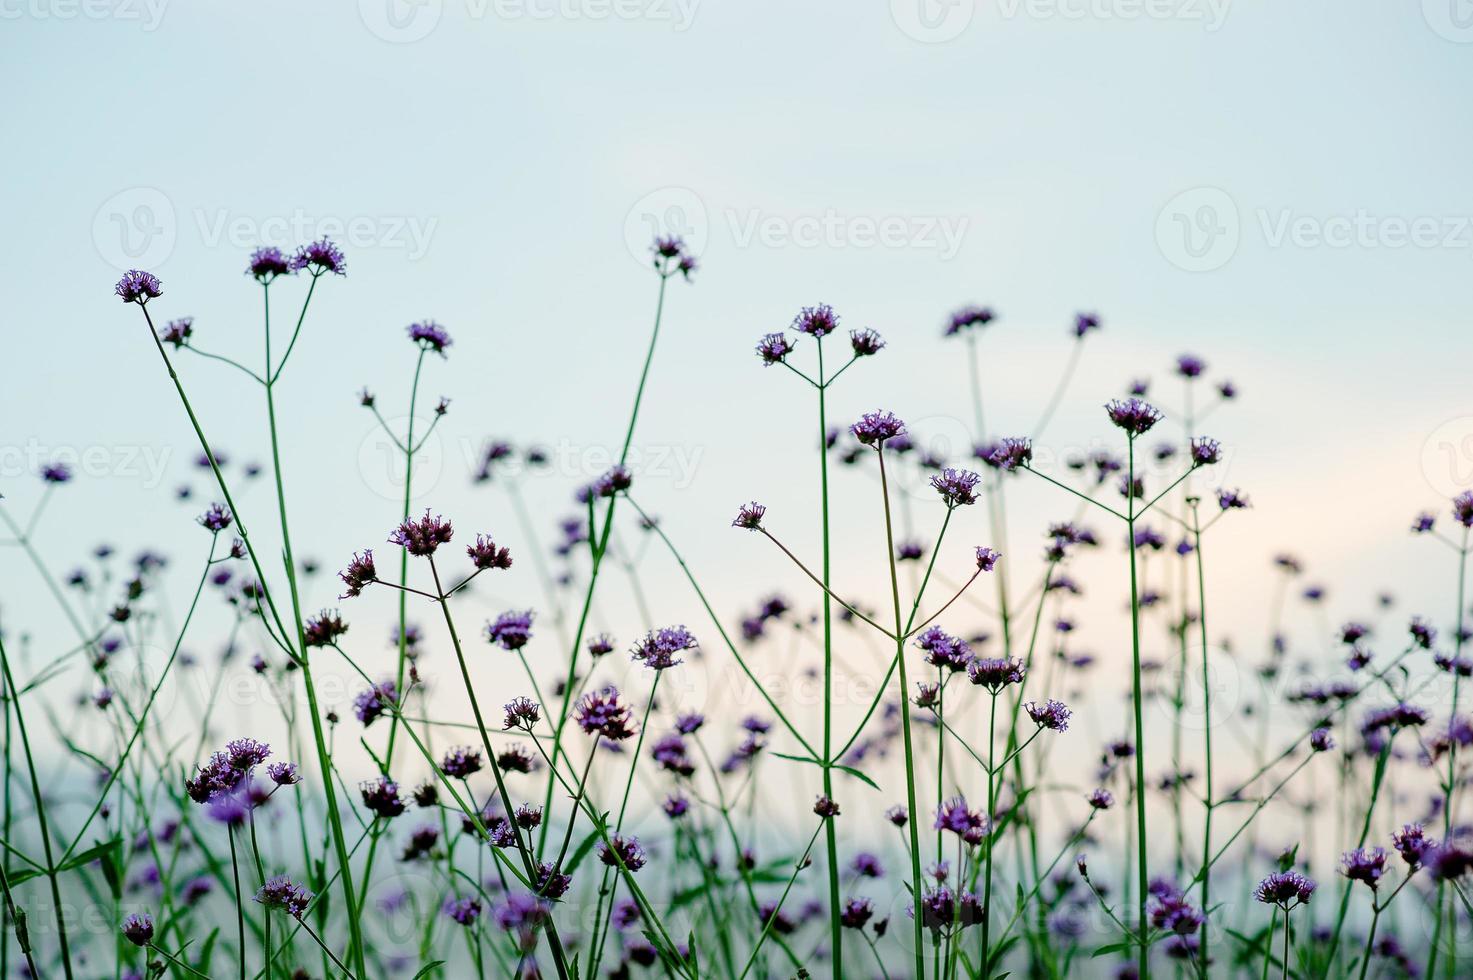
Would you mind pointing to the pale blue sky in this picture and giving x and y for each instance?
(493, 173)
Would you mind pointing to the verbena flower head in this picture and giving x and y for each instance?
(1423, 633)
(600, 645)
(873, 428)
(1412, 843)
(856, 912)
(773, 347)
(953, 815)
(816, 321)
(1133, 415)
(1463, 508)
(825, 807)
(944, 650)
(1286, 889)
(996, 673)
(421, 537)
(460, 763)
(359, 573)
(1449, 860)
(1206, 451)
(956, 487)
(284, 773)
(1009, 454)
(464, 911)
(285, 895)
(268, 262)
(429, 335)
(967, 318)
(522, 712)
(139, 287)
(987, 558)
(1232, 499)
(1424, 523)
(1321, 740)
(1053, 715)
(1101, 799)
(511, 630)
(1365, 865)
(177, 332)
(865, 342)
(1085, 322)
(319, 257)
(1190, 366)
(622, 850)
(138, 929)
(659, 648)
(1170, 910)
(56, 474)
(370, 704)
(603, 713)
(381, 796)
(750, 516)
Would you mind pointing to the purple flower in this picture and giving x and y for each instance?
(616, 479)
(944, 650)
(485, 555)
(460, 763)
(1320, 740)
(602, 713)
(995, 673)
(423, 536)
(231, 809)
(1206, 451)
(284, 894)
(56, 473)
(465, 911)
(429, 335)
(750, 516)
(1085, 322)
(522, 712)
(658, 649)
(1412, 843)
(1101, 799)
(1448, 860)
(1190, 366)
(1423, 633)
(968, 317)
(1133, 415)
(865, 342)
(856, 912)
(511, 630)
(600, 645)
(825, 807)
(178, 332)
(517, 758)
(267, 263)
(1365, 864)
(138, 287)
(319, 257)
(953, 815)
(381, 795)
(1231, 499)
(873, 428)
(987, 558)
(1053, 715)
(897, 815)
(1283, 888)
(370, 704)
(1423, 523)
(284, 773)
(816, 321)
(1010, 454)
(1171, 911)
(773, 347)
(551, 882)
(957, 487)
(1463, 508)
(622, 851)
(359, 573)
(138, 929)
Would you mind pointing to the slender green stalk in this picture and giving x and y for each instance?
(239, 902)
(831, 845)
(1207, 803)
(1138, 704)
(910, 779)
(991, 837)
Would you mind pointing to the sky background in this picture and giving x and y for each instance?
(1281, 189)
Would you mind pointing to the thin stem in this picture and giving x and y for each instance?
(1138, 703)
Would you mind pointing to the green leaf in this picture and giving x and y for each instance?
(428, 968)
(1111, 948)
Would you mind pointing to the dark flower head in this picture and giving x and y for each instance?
(1412, 843)
(897, 815)
(668, 246)
(1085, 322)
(600, 645)
(816, 321)
(1206, 451)
(1365, 864)
(825, 807)
(865, 342)
(381, 795)
(216, 519)
(319, 257)
(370, 704)
(429, 335)
(953, 815)
(968, 317)
(1423, 633)
(522, 712)
(773, 347)
(138, 287)
(1170, 910)
(1463, 508)
(1190, 366)
(1231, 499)
(1133, 415)
(995, 673)
(1423, 523)
(675, 807)
(138, 929)
(267, 263)
(626, 851)
(944, 650)
(178, 332)
(359, 573)
(1227, 390)
(459, 763)
(750, 516)
(1053, 715)
(602, 713)
(465, 911)
(284, 773)
(658, 649)
(689, 724)
(485, 555)
(1101, 799)
(1286, 889)
(511, 630)
(421, 537)
(1009, 454)
(284, 894)
(517, 758)
(1321, 740)
(957, 487)
(873, 428)
(987, 558)
(551, 882)
(1448, 860)
(56, 473)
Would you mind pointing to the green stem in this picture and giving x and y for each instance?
(836, 930)
(1138, 703)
